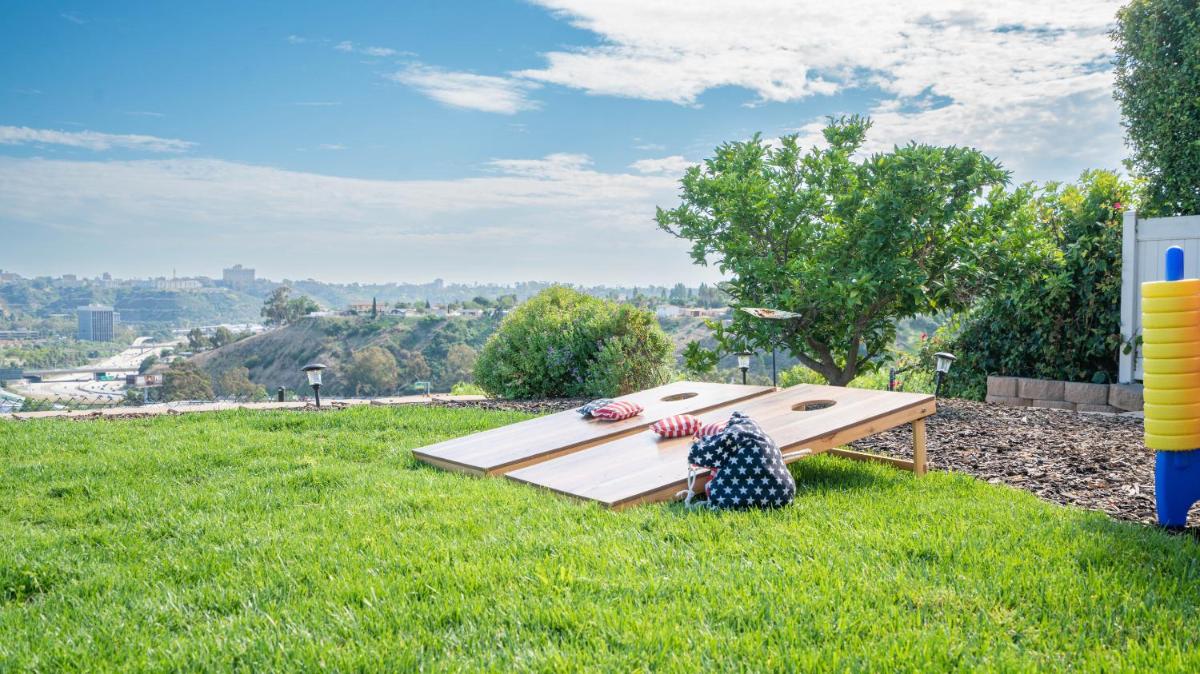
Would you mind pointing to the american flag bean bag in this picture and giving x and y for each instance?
(676, 426)
(711, 429)
(616, 411)
(586, 410)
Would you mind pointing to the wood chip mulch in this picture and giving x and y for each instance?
(1093, 461)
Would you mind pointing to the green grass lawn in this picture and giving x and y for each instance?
(284, 540)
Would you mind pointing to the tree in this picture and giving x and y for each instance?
(413, 366)
(184, 380)
(563, 343)
(460, 363)
(374, 309)
(222, 336)
(235, 383)
(197, 341)
(299, 308)
(1158, 88)
(849, 245)
(372, 371)
(275, 308)
(147, 363)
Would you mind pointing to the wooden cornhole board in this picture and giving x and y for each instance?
(645, 468)
(507, 448)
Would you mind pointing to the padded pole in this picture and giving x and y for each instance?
(1169, 348)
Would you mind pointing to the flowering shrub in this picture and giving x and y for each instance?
(1061, 318)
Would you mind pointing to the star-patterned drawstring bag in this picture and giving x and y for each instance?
(746, 467)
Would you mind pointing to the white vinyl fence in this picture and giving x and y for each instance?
(1144, 244)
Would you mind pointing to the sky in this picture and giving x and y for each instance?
(490, 141)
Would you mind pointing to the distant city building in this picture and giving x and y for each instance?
(70, 278)
(96, 323)
(237, 276)
(9, 276)
(176, 284)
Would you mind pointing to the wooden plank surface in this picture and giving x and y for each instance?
(644, 468)
(528, 442)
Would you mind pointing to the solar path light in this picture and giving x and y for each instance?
(944, 361)
(313, 370)
(743, 363)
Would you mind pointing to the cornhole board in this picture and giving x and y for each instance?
(507, 448)
(644, 468)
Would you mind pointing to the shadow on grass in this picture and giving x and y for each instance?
(824, 474)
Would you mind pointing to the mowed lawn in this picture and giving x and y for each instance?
(300, 541)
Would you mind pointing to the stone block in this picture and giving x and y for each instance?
(1040, 389)
(1126, 396)
(1088, 394)
(1011, 401)
(1053, 404)
(1098, 409)
(1002, 386)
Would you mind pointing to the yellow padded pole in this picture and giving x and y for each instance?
(1171, 363)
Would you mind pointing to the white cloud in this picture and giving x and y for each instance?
(487, 93)
(90, 140)
(521, 219)
(378, 51)
(673, 166)
(996, 76)
(73, 18)
(331, 146)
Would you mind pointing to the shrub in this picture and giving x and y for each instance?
(373, 371)
(1061, 319)
(563, 343)
(184, 380)
(464, 388)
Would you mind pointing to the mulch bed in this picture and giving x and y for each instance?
(1093, 461)
(530, 406)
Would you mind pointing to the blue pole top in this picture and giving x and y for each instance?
(1174, 263)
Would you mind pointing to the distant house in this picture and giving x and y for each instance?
(668, 311)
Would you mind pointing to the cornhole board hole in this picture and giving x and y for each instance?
(507, 448)
(645, 468)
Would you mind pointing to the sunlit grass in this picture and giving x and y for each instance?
(284, 540)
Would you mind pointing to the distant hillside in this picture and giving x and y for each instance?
(419, 345)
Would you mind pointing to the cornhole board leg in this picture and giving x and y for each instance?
(918, 465)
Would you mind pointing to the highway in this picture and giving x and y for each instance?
(80, 385)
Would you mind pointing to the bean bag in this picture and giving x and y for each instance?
(676, 426)
(586, 410)
(618, 410)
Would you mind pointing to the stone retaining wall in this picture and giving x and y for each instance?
(1064, 395)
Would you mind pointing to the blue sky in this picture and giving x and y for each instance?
(490, 141)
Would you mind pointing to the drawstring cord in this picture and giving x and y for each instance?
(688, 494)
